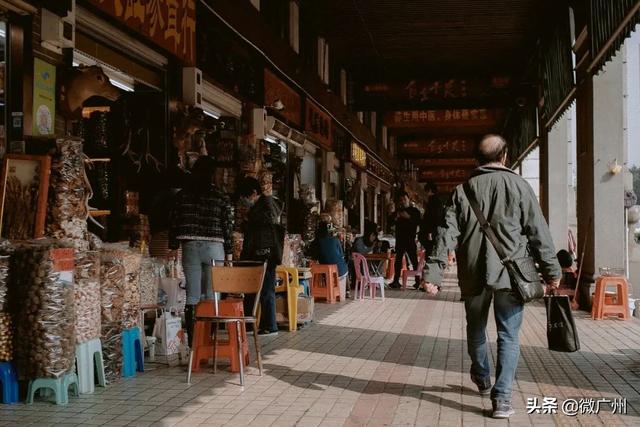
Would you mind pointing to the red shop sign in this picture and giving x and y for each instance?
(171, 24)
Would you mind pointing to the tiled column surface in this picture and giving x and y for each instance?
(401, 362)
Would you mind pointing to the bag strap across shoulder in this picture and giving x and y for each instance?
(484, 224)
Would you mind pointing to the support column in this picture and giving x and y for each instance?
(608, 147)
(556, 181)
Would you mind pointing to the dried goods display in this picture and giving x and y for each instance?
(336, 210)
(43, 301)
(95, 244)
(24, 190)
(307, 194)
(112, 350)
(238, 240)
(6, 337)
(148, 282)
(69, 193)
(293, 251)
(4, 279)
(112, 278)
(132, 202)
(97, 146)
(131, 298)
(311, 221)
(87, 296)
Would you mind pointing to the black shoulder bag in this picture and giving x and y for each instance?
(525, 280)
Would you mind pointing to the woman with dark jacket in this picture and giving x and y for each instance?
(263, 241)
(201, 222)
(327, 249)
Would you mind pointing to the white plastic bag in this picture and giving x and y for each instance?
(167, 331)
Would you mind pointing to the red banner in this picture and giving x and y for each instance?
(171, 24)
(446, 174)
(429, 163)
(439, 147)
(461, 117)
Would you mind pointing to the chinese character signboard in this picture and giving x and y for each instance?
(456, 147)
(44, 98)
(417, 93)
(458, 117)
(358, 155)
(171, 24)
(430, 163)
(446, 174)
(317, 124)
(275, 89)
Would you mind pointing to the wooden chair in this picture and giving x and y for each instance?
(236, 277)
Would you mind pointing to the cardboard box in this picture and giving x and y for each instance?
(305, 309)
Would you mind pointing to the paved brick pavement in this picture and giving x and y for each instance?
(401, 362)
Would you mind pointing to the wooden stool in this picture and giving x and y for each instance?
(611, 304)
(202, 335)
(325, 282)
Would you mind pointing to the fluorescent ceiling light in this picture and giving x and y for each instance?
(116, 77)
(210, 113)
(121, 85)
(3, 32)
(210, 110)
(271, 139)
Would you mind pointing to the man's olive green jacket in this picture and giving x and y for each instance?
(510, 205)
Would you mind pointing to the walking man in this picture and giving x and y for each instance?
(511, 207)
(406, 219)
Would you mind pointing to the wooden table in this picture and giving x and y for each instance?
(376, 260)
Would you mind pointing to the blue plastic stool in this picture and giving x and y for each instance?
(59, 386)
(132, 352)
(9, 380)
(88, 362)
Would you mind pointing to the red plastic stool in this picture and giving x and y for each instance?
(611, 303)
(202, 335)
(325, 282)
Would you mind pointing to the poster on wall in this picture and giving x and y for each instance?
(44, 98)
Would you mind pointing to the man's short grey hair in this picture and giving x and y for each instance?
(491, 149)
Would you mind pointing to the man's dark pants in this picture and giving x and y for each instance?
(404, 247)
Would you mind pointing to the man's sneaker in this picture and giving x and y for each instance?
(394, 285)
(268, 333)
(502, 409)
(484, 385)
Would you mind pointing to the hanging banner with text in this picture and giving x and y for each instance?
(456, 147)
(421, 92)
(459, 118)
(44, 98)
(170, 24)
(445, 174)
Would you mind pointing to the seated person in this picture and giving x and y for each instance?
(569, 277)
(365, 244)
(327, 249)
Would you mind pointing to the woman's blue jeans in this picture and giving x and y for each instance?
(508, 311)
(197, 258)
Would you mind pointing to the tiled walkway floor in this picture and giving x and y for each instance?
(400, 362)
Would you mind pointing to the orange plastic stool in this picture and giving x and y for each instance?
(611, 304)
(325, 283)
(202, 335)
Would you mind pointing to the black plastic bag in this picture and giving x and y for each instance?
(562, 334)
